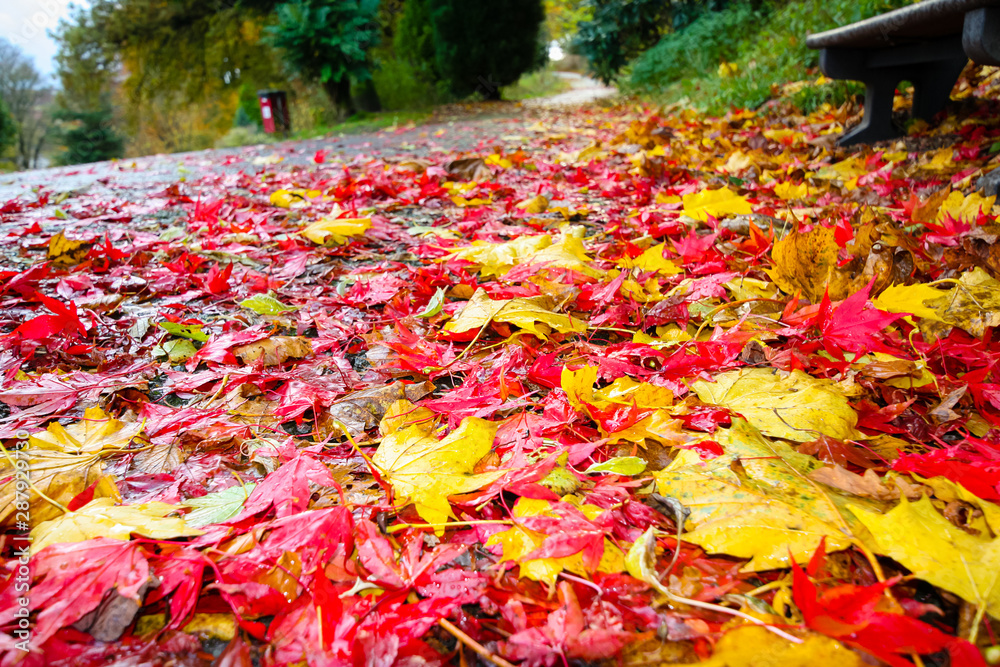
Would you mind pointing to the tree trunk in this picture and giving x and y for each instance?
(339, 93)
(368, 99)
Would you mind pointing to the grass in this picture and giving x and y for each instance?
(543, 83)
(770, 53)
(356, 124)
(364, 122)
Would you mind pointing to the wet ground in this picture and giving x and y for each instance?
(455, 128)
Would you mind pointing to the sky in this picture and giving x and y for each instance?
(26, 24)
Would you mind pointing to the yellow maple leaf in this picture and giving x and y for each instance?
(949, 491)
(845, 170)
(664, 198)
(795, 406)
(717, 203)
(336, 230)
(964, 208)
(626, 391)
(764, 509)
(423, 470)
(102, 518)
(754, 646)
(579, 385)
(651, 259)
(496, 259)
(517, 542)
(97, 432)
(566, 253)
(534, 205)
(927, 544)
(807, 261)
(941, 160)
(532, 314)
(64, 461)
(293, 198)
(972, 303)
(660, 426)
(463, 202)
(789, 190)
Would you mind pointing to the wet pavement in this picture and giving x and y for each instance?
(470, 132)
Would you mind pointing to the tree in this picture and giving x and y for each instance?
(414, 40)
(85, 65)
(91, 137)
(327, 42)
(8, 130)
(24, 93)
(620, 30)
(562, 17)
(482, 46)
(171, 70)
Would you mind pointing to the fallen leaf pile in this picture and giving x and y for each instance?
(613, 387)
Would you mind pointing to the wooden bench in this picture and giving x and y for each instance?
(927, 44)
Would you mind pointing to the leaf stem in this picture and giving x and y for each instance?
(473, 645)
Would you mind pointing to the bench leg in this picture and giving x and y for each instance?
(877, 122)
(880, 88)
(932, 84)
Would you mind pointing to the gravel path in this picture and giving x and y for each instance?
(137, 174)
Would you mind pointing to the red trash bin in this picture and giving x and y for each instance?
(274, 111)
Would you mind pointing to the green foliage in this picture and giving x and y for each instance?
(694, 50)
(562, 17)
(247, 109)
(619, 31)
(247, 135)
(406, 75)
(8, 130)
(90, 138)
(327, 42)
(84, 63)
(771, 52)
(833, 93)
(402, 86)
(483, 46)
(541, 83)
(413, 41)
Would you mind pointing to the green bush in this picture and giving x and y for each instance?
(400, 85)
(771, 51)
(413, 41)
(619, 31)
(485, 45)
(327, 42)
(90, 137)
(8, 129)
(694, 50)
(248, 108)
(243, 136)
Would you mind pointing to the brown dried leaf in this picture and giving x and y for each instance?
(274, 350)
(869, 485)
(364, 409)
(470, 169)
(162, 458)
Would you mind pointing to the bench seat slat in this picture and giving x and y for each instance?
(928, 19)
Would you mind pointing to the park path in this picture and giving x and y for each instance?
(464, 133)
(584, 91)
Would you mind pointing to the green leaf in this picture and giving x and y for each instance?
(265, 304)
(192, 331)
(177, 350)
(218, 506)
(434, 305)
(620, 465)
